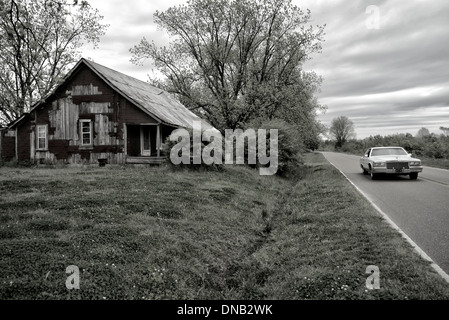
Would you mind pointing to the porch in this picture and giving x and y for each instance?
(144, 143)
(144, 160)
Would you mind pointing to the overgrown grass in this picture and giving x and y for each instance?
(154, 233)
(436, 163)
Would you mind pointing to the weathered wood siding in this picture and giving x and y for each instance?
(84, 97)
(64, 117)
(130, 114)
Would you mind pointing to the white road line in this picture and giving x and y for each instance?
(420, 251)
(436, 182)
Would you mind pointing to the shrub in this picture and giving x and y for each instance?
(290, 146)
(168, 145)
(435, 150)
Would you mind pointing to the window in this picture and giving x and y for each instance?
(42, 137)
(86, 132)
(389, 152)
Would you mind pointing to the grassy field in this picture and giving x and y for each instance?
(155, 233)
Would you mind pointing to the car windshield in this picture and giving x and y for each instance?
(388, 152)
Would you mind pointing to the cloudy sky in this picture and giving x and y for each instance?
(385, 63)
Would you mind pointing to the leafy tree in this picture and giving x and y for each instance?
(233, 61)
(342, 129)
(39, 40)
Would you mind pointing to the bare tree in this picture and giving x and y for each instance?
(342, 129)
(39, 41)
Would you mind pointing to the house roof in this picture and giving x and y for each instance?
(157, 102)
(18, 120)
(150, 99)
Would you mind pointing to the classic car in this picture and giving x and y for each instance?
(390, 160)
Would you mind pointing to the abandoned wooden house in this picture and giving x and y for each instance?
(96, 115)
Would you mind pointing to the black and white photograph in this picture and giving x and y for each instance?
(224, 158)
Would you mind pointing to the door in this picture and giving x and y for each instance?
(364, 159)
(133, 140)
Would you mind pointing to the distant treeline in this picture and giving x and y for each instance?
(429, 146)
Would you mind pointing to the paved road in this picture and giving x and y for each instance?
(420, 208)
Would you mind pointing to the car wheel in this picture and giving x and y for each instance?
(373, 175)
(413, 175)
(364, 171)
